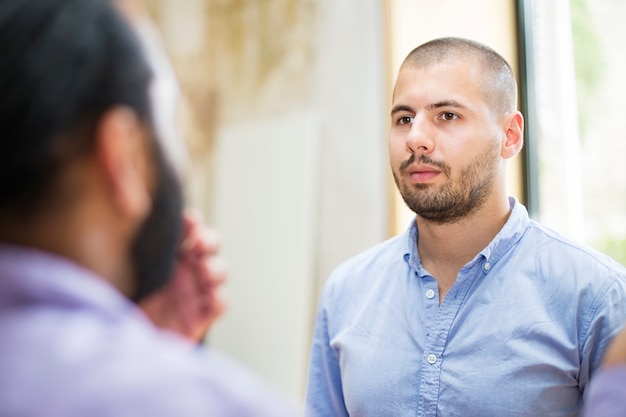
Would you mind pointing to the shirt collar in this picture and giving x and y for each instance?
(506, 238)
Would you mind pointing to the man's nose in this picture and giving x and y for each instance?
(420, 136)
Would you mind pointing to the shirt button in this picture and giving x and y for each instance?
(487, 266)
(431, 359)
(430, 293)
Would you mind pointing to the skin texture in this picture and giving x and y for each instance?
(448, 145)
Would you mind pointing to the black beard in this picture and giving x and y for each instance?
(454, 201)
(155, 246)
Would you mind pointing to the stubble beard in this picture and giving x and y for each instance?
(457, 199)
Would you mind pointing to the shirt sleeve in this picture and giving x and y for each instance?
(324, 396)
(607, 394)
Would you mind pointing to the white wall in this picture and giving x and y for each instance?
(265, 207)
(300, 190)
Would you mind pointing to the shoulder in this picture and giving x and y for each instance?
(94, 366)
(553, 253)
(575, 276)
(176, 379)
(567, 255)
(208, 381)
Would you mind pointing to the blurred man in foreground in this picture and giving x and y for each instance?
(606, 396)
(92, 223)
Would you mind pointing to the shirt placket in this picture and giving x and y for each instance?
(432, 358)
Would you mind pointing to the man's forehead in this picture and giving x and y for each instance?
(439, 86)
(456, 76)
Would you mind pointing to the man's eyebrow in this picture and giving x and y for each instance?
(428, 107)
(445, 103)
(401, 107)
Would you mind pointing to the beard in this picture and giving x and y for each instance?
(155, 246)
(455, 200)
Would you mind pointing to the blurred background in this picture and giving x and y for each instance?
(286, 108)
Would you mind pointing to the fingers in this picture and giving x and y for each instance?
(184, 300)
(213, 306)
(218, 273)
(195, 297)
(211, 275)
(211, 271)
(207, 275)
(198, 241)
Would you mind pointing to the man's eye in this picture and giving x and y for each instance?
(448, 116)
(406, 120)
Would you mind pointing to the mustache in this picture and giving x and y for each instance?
(426, 160)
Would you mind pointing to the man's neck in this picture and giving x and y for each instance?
(445, 248)
(75, 235)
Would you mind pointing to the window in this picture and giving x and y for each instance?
(574, 104)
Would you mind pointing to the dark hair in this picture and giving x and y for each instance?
(63, 64)
(497, 72)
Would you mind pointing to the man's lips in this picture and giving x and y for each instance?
(420, 174)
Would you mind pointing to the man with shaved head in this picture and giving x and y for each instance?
(476, 310)
(92, 227)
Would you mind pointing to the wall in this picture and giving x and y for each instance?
(301, 187)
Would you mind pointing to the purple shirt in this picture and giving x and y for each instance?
(607, 394)
(72, 345)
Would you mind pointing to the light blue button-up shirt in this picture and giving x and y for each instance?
(72, 346)
(520, 332)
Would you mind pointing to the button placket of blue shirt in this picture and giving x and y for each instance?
(429, 294)
(432, 359)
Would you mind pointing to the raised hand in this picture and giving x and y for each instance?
(193, 300)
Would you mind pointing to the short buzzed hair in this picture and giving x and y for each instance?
(498, 74)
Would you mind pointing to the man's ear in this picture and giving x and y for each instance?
(122, 151)
(514, 131)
